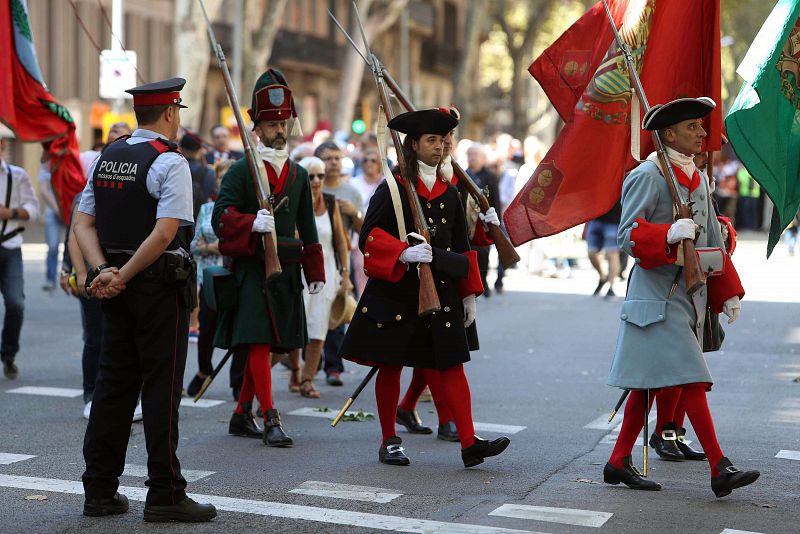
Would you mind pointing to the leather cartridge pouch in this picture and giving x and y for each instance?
(219, 288)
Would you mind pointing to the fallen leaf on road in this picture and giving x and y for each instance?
(764, 505)
(36, 497)
(586, 481)
(796, 380)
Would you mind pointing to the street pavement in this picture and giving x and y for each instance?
(546, 348)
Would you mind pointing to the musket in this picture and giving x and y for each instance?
(272, 265)
(428, 297)
(210, 378)
(692, 273)
(352, 397)
(506, 252)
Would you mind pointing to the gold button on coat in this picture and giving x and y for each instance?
(444, 221)
(366, 254)
(447, 325)
(429, 205)
(380, 325)
(371, 238)
(441, 205)
(398, 317)
(430, 220)
(364, 309)
(447, 308)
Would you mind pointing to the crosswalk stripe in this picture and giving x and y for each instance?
(274, 509)
(346, 491)
(788, 455)
(48, 392)
(565, 516)
(734, 531)
(202, 403)
(480, 427)
(7, 458)
(601, 423)
(140, 471)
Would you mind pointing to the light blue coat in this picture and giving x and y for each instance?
(660, 337)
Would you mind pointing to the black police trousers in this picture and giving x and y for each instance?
(145, 339)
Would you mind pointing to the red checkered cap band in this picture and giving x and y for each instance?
(156, 99)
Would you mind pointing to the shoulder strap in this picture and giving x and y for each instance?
(394, 191)
(9, 184)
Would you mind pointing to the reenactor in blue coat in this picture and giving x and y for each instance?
(660, 343)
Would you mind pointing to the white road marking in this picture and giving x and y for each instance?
(274, 509)
(8, 458)
(48, 392)
(346, 491)
(734, 531)
(601, 423)
(565, 516)
(789, 455)
(202, 403)
(140, 471)
(480, 427)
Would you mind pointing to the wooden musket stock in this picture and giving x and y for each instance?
(505, 250)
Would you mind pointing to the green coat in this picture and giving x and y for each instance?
(277, 316)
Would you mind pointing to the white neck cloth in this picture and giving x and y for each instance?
(427, 174)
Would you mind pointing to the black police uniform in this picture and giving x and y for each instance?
(145, 331)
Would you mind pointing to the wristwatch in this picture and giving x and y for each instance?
(93, 273)
(14, 213)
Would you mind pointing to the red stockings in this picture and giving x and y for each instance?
(257, 379)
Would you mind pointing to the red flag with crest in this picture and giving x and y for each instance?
(676, 49)
(28, 108)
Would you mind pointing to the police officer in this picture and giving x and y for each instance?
(133, 226)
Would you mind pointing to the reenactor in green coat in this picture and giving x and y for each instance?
(253, 315)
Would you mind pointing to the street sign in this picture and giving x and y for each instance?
(117, 73)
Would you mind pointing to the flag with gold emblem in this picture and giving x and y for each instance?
(675, 44)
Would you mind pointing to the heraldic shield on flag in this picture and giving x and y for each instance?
(586, 79)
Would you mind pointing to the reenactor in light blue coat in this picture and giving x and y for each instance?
(660, 343)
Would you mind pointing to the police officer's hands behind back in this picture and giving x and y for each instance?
(108, 284)
(264, 222)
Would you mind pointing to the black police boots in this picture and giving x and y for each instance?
(447, 432)
(274, 436)
(392, 452)
(118, 504)
(666, 444)
(186, 511)
(244, 424)
(731, 477)
(688, 452)
(628, 475)
(412, 422)
(475, 454)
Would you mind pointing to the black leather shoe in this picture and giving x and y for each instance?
(666, 444)
(392, 452)
(244, 424)
(412, 422)
(194, 386)
(447, 432)
(628, 475)
(10, 369)
(688, 452)
(118, 504)
(274, 436)
(186, 511)
(474, 454)
(731, 477)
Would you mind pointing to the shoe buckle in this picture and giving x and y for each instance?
(392, 449)
(635, 470)
(732, 469)
(669, 435)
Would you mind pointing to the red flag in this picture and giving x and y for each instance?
(677, 53)
(28, 108)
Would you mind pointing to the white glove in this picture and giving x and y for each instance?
(422, 253)
(264, 222)
(469, 310)
(490, 217)
(680, 230)
(315, 287)
(731, 308)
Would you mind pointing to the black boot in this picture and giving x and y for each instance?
(274, 436)
(628, 475)
(412, 422)
(447, 432)
(665, 444)
(474, 454)
(688, 452)
(194, 386)
(185, 511)
(244, 424)
(118, 504)
(392, 452)
(731, 477)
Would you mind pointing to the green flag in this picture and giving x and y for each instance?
(764, 124)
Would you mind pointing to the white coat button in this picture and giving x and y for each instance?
(624, 317)
(637, 260)
(660, 317)
(633, 244)
(635, 225)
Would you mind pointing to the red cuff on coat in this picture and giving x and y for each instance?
(649, 245)
(471, 285)
(313, 263)
(481, 238)
(721, 288)
(235, 232)
(730, 243)
(382, 256)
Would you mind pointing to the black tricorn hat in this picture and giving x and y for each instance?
(663, 115)
(164, 92)
(424, 121)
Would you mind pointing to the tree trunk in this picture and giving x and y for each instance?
(261, 28)
(193, 55)
(519, 109)
(463, 79)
